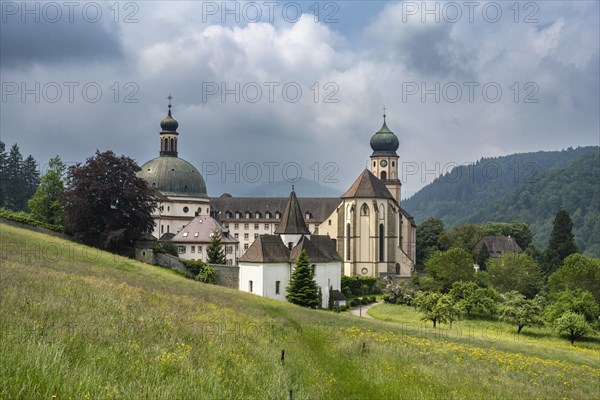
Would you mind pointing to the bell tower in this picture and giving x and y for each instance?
(168, 134)
(384, 160)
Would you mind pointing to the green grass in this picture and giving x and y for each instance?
(78, 323)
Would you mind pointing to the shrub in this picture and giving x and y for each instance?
(373, 299)
(165, 248)
(208, 275)
(401, 293)
(194, 266)
(28, 219)
(354, 302)
(360, 285)
(343, 308)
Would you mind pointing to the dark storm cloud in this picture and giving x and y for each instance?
(22, 44)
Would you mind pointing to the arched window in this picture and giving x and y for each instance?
(172, 144)
(383, 175)
(348, 242)
(397, 269)
(364, 210)
(166, 144)
(381, 243)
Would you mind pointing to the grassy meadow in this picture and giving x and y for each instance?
(78, 323)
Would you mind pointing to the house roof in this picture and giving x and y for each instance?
(498, 245)
(266, 249)
(319, 208)
(199, 230)
(270, 249)
(292, 220)
(319, 248)
(368, 185)
(337, 295)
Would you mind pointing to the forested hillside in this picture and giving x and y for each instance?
(529, 187)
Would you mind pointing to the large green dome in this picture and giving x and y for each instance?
(173, 176)
(384, 141)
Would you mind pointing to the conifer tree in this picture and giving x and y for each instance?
(562, 242)
(303, 289)
(214, 251)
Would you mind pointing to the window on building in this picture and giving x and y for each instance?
(245, 246)
(235, 235)
(255, 236)
(383, 175)
(256, 226)
(196, 234)
(248, 215)
(257, 215)
(236, 226)
(162, 229)
(193, 250)
(397, 269)
(393, 163)
(277, 215)
(381, 243)
(277, 285)
(238, 215)
(348, 242)
(199, 249)
(364, 210)
(307, 215)
(250, 286)
(228, 262)
(181, 249)
(168, 228)
(185, 234)
(228, 249)
(226, 226)
(245, 236)
(329, 222)
(266, 226)
(246, 226)
(267, 215)
(186, 209)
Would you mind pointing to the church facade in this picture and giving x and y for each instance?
(370, 232)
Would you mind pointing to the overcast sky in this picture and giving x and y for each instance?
(235, 70)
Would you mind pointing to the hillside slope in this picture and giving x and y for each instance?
(78, 323)
(529, 187)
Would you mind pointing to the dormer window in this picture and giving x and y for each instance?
(185, 234)
(196, 234)
(277, 215)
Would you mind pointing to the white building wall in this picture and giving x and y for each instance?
(273, 273)
(328, 275)
(251, 272)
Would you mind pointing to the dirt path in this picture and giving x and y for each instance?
(358, 312)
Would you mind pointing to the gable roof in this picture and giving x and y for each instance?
(368, 185)
(498, 245)
(292, 221)
(266, 249)
(199, 230)
(319, 248)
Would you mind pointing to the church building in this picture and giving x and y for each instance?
(367, 229)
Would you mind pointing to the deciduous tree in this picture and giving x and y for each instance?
(106, 204)
(513, 271)
(521, 311)
(428, 234)
(447, 267)
(45, 205)
(573, 325)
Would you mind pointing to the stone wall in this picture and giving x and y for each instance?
(229, 275)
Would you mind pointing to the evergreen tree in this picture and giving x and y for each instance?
(31, 180)
(303, 289)
(3, 175)
(214, 251)
(15, 184)
(562, 242)
(44, 204)
(428, 234)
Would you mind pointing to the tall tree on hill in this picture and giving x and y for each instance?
(562, 242)
(303, 289)
(106, 204)
(3, 175)
(19, 179)
(448, 267)
(214, 251)
(31, 180)
(45, 205)
(428, 234)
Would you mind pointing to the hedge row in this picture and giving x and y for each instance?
(28, 219)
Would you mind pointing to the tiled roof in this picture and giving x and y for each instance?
(319, 248)
(266, 249)
(369, 186)
(498, 245)
(292, 220)
(199, 230)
